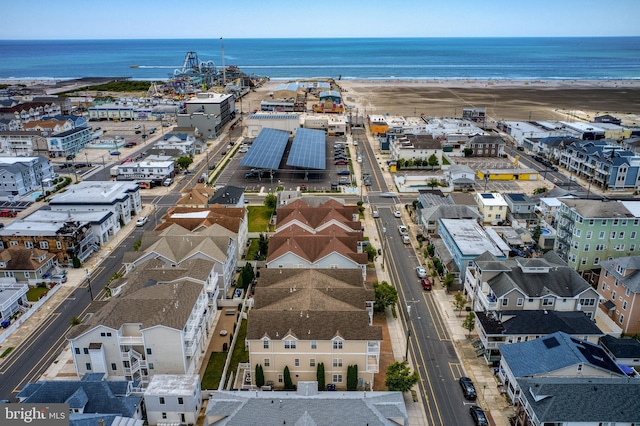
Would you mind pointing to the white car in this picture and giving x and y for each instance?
(397, 213)
(403, 230)
(422, 273)
(142, 221)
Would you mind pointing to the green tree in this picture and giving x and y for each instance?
(320, 376)
(431, 250)
(386, 295)
(352, 377)
(400, 163)
(468, 152)
(433, 161)
(448, 281)
(136, 244)
(540, 190)
(270, 201)
(75, 261)
(438, 265)
(184, 162)
(460, 302)
(418, 162)
(288, 384)
(371, 252)
(246, 276)
(263, 247)
(259, 376)
(469, 323)
(433, 183)
(75, 321)
(535, 234)
(399, 377)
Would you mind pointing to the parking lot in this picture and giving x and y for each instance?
(289, 177)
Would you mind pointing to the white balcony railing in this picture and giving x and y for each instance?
(488, 303)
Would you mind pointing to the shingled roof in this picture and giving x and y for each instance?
(192, 218)
(23, 259)
(312, 304)
(316, 217)
(312, 248)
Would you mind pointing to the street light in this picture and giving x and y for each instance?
(384, 234)
(89, 283)
(406, 353)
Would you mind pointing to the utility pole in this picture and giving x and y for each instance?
(89, 283)
(406, 353)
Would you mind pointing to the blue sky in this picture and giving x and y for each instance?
(113, 19)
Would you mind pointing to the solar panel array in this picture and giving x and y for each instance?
(309, 150)
(266, 151)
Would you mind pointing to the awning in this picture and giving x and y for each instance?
(626, 369)
(609, 305)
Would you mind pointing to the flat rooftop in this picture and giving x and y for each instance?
(470, 237)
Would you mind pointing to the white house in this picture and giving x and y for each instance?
(21, 175)
(173, 399)
(120, 198)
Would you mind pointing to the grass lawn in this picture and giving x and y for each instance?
(259, 218)
(213, 373)
(253, 249)
(34, 294)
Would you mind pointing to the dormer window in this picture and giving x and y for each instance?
(620, 269)
(265, 344)
(290, 344)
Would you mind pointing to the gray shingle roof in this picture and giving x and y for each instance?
(630, 263)
(320, 408)
(582, 401)
(621, 347)
(537, 323)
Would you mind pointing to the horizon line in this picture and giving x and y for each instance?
(321, 38)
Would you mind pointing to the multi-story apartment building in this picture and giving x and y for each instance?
(68, 142)
(27, 143)
(159, 323)
(30, 111)
(21, 175)
(304, 317)
(590, 231)
(208, 112)
(619, 287)
(521, 210)
(603, 163)
(486, 146)
(528, 284)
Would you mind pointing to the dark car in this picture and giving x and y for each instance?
(344, 172)
(343, 162)
(478, 416)
(468, 389)
(520, 148)
(426, 284)
(138, 132)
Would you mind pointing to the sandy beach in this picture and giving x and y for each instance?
(502, 99)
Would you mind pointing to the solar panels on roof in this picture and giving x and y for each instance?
(517, 197)
(551, 342)
(487, 196)
(266, 151)
(308, 150)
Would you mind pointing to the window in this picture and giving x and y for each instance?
(621, 320)
(312, 362)
(599, 247)
(632, 247)
(296, 362)
(621, 235)
(164, 415)
(624, 305)
(547, 301)
(633, 235)
(337, 362)
(151, 366)
(280, 378)
(162, 400)
(114, 367)
(613, 295)
(289, 344)
(586, 247)
(314, 344)
(592, 222)
(337, 344)
(601, 235)
(180, 400)
(86, 351)
(520, 301)
(596, 260)
(587, 302)
(58, 245)
(579, 367)
(615, 222)
(606, 274)
(583, 261)
(627, 292)
(612, 235)
(267, 362)
(13, 243)
(505, 302)
(28, 244)
(44, 245)
(615, 282)
(88, 366)
(265, 344)
(337, 378)
(604, 285)
(589, 234)
(148, 351)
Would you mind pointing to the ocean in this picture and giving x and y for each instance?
(583, 58)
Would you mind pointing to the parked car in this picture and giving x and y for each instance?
(341, 162)
(468, 390)
(167, 182)
(8, 213)
(114, 153)
(138, 132)
(520, 148)
(426, 284)
(59, 278)
(344, 172)
(142, 221)
(397, 213)
(478, 416)
(137, 126)
(422, 273)
(251, 175)
(344, 181)
(303, 187)
(403, 230)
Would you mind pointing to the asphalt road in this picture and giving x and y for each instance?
(430, 346)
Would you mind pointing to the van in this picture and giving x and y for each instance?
(406, 239)
(167, 182)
